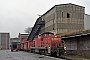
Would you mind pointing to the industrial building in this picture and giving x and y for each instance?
(63, 18)
(21, 36)
(86, 21)
(4, 40)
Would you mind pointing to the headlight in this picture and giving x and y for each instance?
(49, 47)
(65, 47)
(55, 36)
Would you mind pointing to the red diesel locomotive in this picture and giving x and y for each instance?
(47, 43)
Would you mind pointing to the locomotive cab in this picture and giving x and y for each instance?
(53, 44)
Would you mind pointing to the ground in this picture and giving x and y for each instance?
(20, 55)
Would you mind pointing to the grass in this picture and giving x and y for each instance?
(0, 48)
(78, 56)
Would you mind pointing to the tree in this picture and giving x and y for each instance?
(28, 29)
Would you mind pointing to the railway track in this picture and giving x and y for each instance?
(61, 57)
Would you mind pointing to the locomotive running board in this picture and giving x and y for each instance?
(38, 48)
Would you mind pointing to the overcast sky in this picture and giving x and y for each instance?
(16, 15)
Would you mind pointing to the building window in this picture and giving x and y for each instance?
(62, 14)
(68, 15)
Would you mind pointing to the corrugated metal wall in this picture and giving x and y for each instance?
(86, 21)
(71, 44)
(84, 43)
(78, 45)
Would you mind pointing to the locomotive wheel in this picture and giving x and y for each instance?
(11, 50)
(40, 52)
(57, 54)
(32, 51)
(53, 54)
(46, 53)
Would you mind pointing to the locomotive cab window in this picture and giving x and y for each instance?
(50, 34)
(44, 35)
